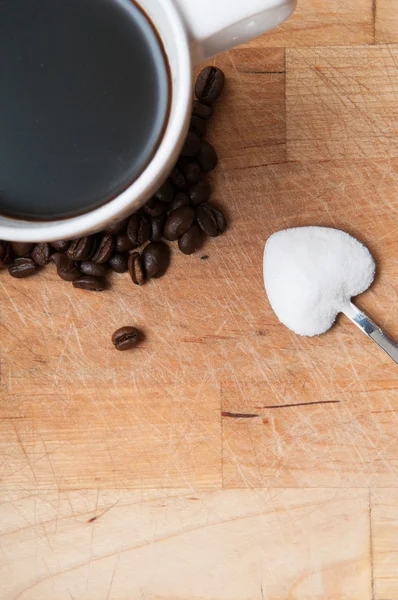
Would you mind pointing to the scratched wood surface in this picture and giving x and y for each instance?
(226, 458)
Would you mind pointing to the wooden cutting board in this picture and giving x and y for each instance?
(226, 458)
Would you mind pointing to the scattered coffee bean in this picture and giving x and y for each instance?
(89, 283)
(22, 248)
(23, 267)
(198, 126)
(207, 156)
(155, 207)
(192, 171)
(138, 231)
(209, 85)
(199, 192)
(105, 248)
(117, 227)
(136, 269)
(126, 338)
(156, 259)
(157, 225)
(41, 254)
(191, 240)
(89, 267)
(60, 245)
(118, 263)
(204, 111)
(210, 219)
(165, 193)
(180, 199)
(192, 145)
(81, 248)
(66, 268)
(178, 222)
(177, 178)
(204, 257)
(123, 243)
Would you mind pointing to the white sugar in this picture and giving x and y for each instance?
(310, 273)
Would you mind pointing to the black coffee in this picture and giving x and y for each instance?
(83, 103)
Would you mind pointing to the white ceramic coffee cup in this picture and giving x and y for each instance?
(191, 31)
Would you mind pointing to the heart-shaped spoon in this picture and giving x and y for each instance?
(311, 274)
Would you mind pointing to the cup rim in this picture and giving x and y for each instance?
(20, 230)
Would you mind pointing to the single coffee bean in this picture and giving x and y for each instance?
(191, 146)
(209, 85)
(204, 111)
(66, 268)
(191, 240)
(156, 259)
(198, 126)
(138, 231)
(178, 222)
(177, 178)
(157, 224)
(41, 254)
(6, 254)
(165, 193)
(23, 267)
(180, 199)
(105, 248)
(123, 243)
(116, 227)
(81, 248)
(118, 262)
(192, 171)
(155, 208)
(90, 283)
(136, 269)
(69, 275)
(199, 192)
(210, 219)
(22, 248)
(89, 267)
(126, 338)
(207, 156)
(60, 245)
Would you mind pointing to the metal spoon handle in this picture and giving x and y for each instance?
(372, 330)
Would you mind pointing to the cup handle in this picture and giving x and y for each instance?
(218, 25)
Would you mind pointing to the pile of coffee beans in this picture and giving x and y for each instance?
(180, 211)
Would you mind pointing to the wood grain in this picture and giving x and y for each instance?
(385, 543)
(162, 545)
(386, 21)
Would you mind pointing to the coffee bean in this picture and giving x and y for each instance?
(105, 248)
(41, 254)
(198, 126)
(211, 220)
(209, 85)
(23, 267)
(66, 268)
(118, 263)
(207, 156)
(177, 178)
(157, 225)
(165, 193)
(178, 222)
(191, 240)
(81, 248)
(180, 199)
(204, 111)
(126, 338)
(6, 254)
(22, 248)
(116, 227)
(192, 171)
(89, 267)
(90, 283)
(156, 259)
(60, 245)
(136, 269)
(199, 192)
(155, 208)
(138, 230)
(123, 243)
(191, 146)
